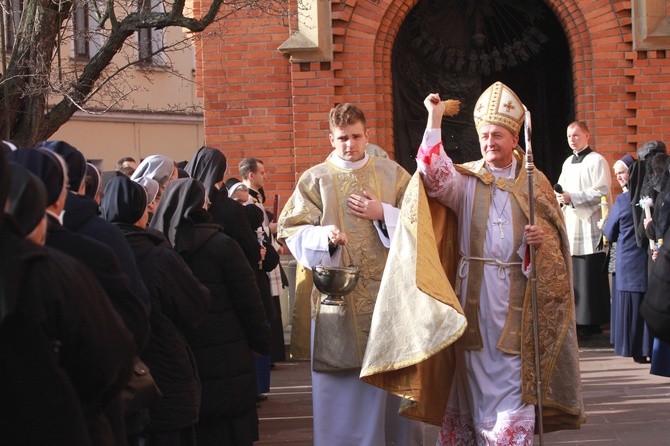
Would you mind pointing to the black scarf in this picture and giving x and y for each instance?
(179, 212)
(207, 165)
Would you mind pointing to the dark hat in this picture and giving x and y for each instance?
(628, 160)
(46, 166)
(75, 160)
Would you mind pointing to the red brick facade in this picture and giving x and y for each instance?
(258, 103)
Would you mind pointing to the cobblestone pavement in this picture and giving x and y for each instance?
(625, 405)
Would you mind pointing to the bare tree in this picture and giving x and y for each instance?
(41, 88)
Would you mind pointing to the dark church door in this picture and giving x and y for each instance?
(458, 48)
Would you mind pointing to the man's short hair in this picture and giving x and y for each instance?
(126, 170)
(345, 114)
(581, 124)
(119, 163)
(249, 165)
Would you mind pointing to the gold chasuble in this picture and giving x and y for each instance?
(320, 199)
(419, 329)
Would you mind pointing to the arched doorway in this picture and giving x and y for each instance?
(458, 48)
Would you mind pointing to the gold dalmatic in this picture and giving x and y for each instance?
(320, 199)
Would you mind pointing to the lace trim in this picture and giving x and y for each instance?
(438, 175)
(458, 429)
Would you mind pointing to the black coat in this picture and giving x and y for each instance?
(655, 308)
(82, 216)
(234, 326)
(178, 303)
(105, 266)
(208, 165)
(62, 301)
(231, 216)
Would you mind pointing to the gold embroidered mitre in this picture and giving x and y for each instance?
(499, 105)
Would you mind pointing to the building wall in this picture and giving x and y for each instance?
(154, 111)
(105, 139)
(258, 103)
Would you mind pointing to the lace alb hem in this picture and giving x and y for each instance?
(459, 429)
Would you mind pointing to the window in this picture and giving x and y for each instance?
(150, 40)
(81, 49)
(87, 38)
(11, 17)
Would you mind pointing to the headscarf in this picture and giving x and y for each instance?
(207, 165)
(151, 186)
(180, 208)
(626, 161)
(156, 167)
(92, 180)
(47, 166)
(234, 187)
(230, 182)
(650, 148)
(656, 174)
(124, 202)
(27, 200)
(75, 160)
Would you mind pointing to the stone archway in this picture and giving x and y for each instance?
(458, 48)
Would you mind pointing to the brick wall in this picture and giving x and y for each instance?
(259, 104)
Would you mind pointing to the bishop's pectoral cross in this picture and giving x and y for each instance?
(499, 223)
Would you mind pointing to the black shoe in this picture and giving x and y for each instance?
(582, 333)
(260, 398)
(586, 331)
(642, 359)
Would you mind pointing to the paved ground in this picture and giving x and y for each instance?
(625, 405)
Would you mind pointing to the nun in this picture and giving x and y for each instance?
(51, 169)
(628, 332)
(159, 168)
(64, 351)
(209, 166)
(82, 215)
(178, 304)
(26, 205)
(235, 325)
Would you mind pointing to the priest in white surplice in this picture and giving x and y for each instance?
(585, 179)
(342, 212)
(485, 380)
